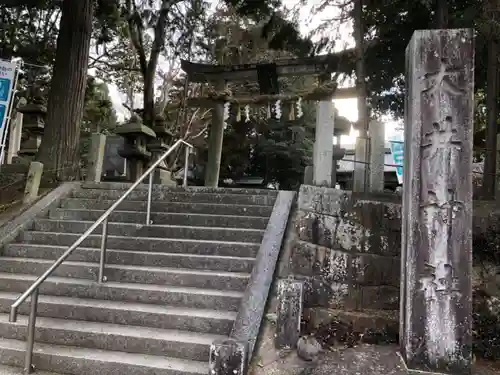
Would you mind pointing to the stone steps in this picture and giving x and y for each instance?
(151, 244)
(130, 274)
(78, 361)
(210, 299)
(162, 231)
(170, 207)
(171, 288)
(202, 220)
(169, 196)
(192, 189)
(130, 257)
(114, 337)
(129, 313)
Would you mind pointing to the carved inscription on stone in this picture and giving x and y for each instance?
(440, 156)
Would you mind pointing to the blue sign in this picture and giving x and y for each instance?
(3, 110)
(4, 89)
(398, 153)
(7, 83)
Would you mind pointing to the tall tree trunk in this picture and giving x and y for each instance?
(490, 160)
(363, 113)
(59, 151)
(442, 14)
(149, 96)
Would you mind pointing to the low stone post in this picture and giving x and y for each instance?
(96, 157)
(137, 136)
(377, 155)
(436, 291)
(289, 313)
(228, 357)
(359, 177)
(33, 182)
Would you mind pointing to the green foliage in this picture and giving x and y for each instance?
(486, 325)
(31, 34)
(98, 116)
(282, 152)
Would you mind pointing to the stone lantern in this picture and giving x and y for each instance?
(137, 136)
(34, 115)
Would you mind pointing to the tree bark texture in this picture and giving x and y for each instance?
(442, 14)
(490, 160)
(59, 151)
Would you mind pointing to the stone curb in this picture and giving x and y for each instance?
(248, 321)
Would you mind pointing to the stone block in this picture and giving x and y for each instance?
(289, 313)
(337, 326)
(379, 298)
(330, 231)
(228, 357)
(317, 292)
(323, 200)
(33, 182)
(369, 269)
(96, 157)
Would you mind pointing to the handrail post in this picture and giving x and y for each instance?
(28, 366)
(104, 240)
(150, 193)
(13, 314)
(186, 165)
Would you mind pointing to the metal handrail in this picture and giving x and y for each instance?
(33, 289)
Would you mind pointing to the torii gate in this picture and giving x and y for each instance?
(267, 75)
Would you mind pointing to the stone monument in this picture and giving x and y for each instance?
(436, 292)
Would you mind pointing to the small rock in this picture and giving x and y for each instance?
(273, 318)
(308, 348)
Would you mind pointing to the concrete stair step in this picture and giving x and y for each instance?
(198, 189)
(81, 361)
(150, 244)
(170, 207)
(190, 219)
(162, 231)
(114, 337)
(133, 314)
(130, 274)
(139, 258)
(172, 196)
(196, 298)
(11, 370)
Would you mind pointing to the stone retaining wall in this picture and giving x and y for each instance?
(346, 248)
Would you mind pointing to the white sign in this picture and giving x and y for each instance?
(7, 81)
(398, 154)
